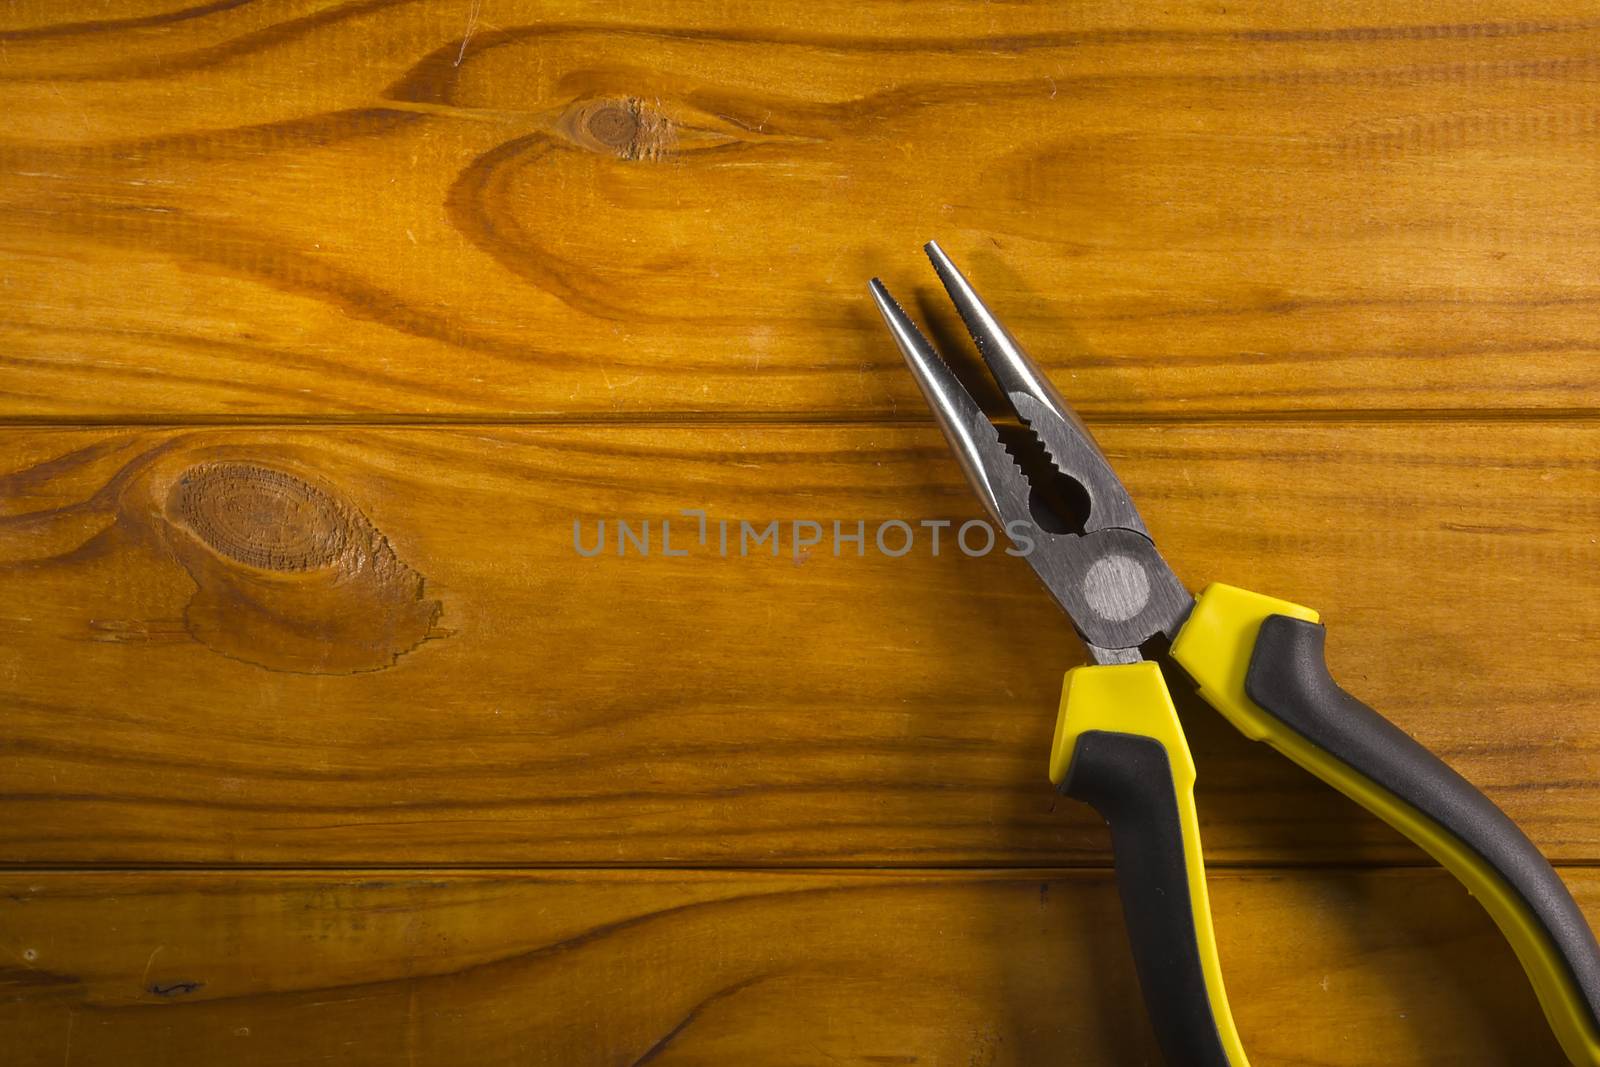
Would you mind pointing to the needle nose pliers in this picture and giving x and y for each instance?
(1259, 661)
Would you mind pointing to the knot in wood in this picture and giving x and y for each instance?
(261, 517)
(615, 124)
(624, 127)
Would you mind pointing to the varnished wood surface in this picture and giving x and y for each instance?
(592, 969)
(454, 209)
(321, 321)
(381, 646)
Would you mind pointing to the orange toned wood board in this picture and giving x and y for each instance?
(581, 968)
(477, 206)
(323, 323)
(406, 659)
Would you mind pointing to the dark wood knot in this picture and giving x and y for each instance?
(261, 517)
(625, 127)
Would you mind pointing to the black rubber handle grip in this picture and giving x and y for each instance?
(1128, 779)
(1289, 679)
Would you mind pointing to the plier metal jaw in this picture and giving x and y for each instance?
(1259, 661)
(1099, 563)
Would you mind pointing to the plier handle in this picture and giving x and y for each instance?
(1259, 661)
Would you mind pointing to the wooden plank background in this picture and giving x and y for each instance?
(321, 324)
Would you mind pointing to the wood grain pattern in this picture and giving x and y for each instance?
(589, 969)
(524, 209)
(418, 667)
(321, 321)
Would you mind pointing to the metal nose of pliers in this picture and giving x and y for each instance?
(1032, 397)
(1088, 544)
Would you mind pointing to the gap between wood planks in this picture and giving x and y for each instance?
(648, 419)
(1096, 869)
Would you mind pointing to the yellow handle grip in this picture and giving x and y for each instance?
(1247, 650)
(1119, 747)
